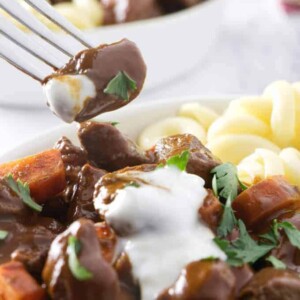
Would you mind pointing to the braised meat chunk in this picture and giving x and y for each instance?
(175, 5)
(82, 203)
(108, 148)
(77, 250)
(115, 12)
(265, 201)
(29, 234)
(201, 160)
(211, 211)
(272, 284)
(206, 279)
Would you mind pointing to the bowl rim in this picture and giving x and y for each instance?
(209, 100)
(151, 21)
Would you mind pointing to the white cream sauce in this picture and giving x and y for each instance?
(162, 226)
(67, 95)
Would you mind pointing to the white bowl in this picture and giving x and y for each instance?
(132, 118)
(171, 46)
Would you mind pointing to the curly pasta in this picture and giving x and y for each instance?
(264, 163)
(84, 14)
(191, 118)
(270, 121)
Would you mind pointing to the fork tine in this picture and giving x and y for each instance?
(49, 12)
(29, 44)
(24, 17)
(17, 60)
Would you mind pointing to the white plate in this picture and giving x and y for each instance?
(171, 46)
(132, 118)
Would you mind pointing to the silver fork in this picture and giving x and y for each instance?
(48, 48)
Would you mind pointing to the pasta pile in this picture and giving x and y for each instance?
(270, 121)
(84, 14)
(256, 126)
(264, 163)
(191, 118)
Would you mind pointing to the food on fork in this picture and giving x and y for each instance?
(95, 81)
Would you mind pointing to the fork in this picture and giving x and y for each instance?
(48, 48)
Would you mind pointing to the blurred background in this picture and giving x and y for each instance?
(218, 47)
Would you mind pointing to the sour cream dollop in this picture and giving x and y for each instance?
(68, 94)
(161, 225)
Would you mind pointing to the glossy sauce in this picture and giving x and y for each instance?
(88, 74)
(160, 225)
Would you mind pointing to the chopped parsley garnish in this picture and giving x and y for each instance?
(244, 249)
(225, 181)
(291, 232)
(133, 184)
(228, 221)
(3, 234)
(77, 270)
(114, 123)
(23, 191)
(120, 86)
(276, 263)
(179, 161)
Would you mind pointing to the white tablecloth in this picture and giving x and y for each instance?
(257, 44)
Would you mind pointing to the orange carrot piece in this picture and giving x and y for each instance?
(44, 172)
(17, 284)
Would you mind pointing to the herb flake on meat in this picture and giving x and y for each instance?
(3, 234)
(244, 249)
(228, 220)
(120, 86)
(179, 161)
(276, 263)
(23, 191)
(77, 270)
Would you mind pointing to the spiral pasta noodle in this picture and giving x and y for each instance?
(264, 163)
(191, 118)
(84, 14)
(271, 121)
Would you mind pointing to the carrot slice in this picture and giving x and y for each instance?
(17, 284)
(44, 172)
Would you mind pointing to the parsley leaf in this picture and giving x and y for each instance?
(228, 220)
(133, 184)
(291, 231)
(120, 86)
(114, 123)
(215, 186)
(226, 182)
(22, 190)
(242, 185)
(244, 249)
(77, 270)
(179, 161)
(277, 264)
(3, 234)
